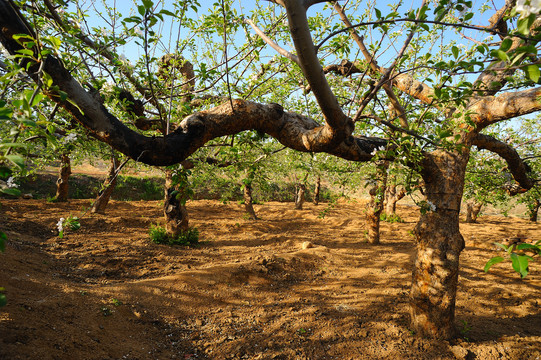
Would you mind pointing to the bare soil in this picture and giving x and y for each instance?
(249, 290)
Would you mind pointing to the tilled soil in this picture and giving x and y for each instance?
(250, 290)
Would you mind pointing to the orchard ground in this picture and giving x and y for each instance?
(250, 290)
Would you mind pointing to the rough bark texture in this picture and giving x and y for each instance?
(473, 208)
(300, 196)
(317, 189)
(439, 243)
(62, 184)
(100, 204)
(373, 213)
(392, 196)
(248, 202)
(174, 208)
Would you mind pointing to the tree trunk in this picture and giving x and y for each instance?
(391, 198)
(248, 201)
(473, 208)
(62, 185)
(534, 210)
(439, 243)
(107, 188)
(375, 206)
(174, 207)
(317, 189)
(300, 196)
(373, 213)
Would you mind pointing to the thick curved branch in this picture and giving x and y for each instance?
(292, 130)
(518, 168)
(491, 109)
(340, 126)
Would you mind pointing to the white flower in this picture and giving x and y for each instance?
(525, 7)
(122, 57)
(60, 224)
(431, 205)
(137, 31)
(11, 183)
(381, 148)
(71, 137)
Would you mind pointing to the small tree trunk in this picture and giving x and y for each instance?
(473, 208)
(300, 196)
(373, 213)
(534, 210)
(248, 201)
(375, 206)
(174, 207)
(317, 189)
(107, 188)
(392, 197)
(62, 185)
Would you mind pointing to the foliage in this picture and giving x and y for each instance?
(518, 254)
(391, 218)
(70, 223)
(158, 235)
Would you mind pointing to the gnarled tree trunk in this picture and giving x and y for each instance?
(473, 208)
(300, 196)
(62, 185)
(439, 243)
(317, 189)
(174, 207)
(107, 188)
(248, 201)
(375, 206)
(392, 196)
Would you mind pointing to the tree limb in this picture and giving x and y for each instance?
(492, 109)
(292, 130)
(518, 168)
(272, 44)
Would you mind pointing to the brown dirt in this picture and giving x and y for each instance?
(250, 290)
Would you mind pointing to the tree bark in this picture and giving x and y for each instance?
(174, 207)
(391, 198)
(439, 243)
(373, 214)
(107, 188)
(62, 185)
(317, 189)
(473, 208)
(534, 210)
(248, 201)
(300, 196)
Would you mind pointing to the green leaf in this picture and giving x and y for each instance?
(11, 192)
(454, 49)
(506, 44)
(528, 246)
(533, 73)
(3, 300)
(493, 261)
(520, 264)
(501, 245)
(502, 55)
(19, 145)
(17, 160)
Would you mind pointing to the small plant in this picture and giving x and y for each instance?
(159, 235)
(327, 209)
(116, 302)
(105, 311)
(519, 259)
(391, 218)
(465, 330)
(72, 223)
